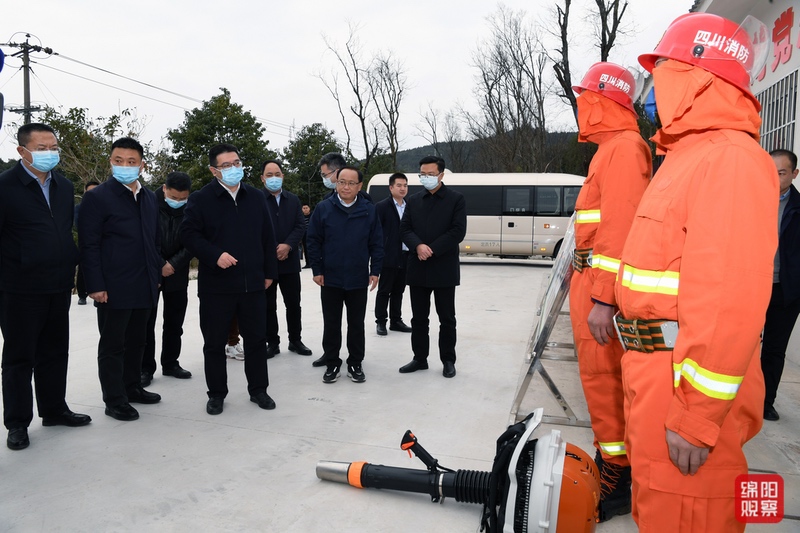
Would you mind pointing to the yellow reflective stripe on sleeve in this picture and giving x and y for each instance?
(587, 216)
(603, 262)
(653, 281)
(719, 386)
(613, 448)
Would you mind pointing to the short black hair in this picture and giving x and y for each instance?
(268, 161)
(92, 183)
(180, 181)
(24, 132)
(218, 149)
(396, 176)
(128, 143)
(360, 175)
(334, 161)
(787, 153)
(433, 159)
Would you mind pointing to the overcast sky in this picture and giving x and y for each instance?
(268, 53)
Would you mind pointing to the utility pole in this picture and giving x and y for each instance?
(25, 51)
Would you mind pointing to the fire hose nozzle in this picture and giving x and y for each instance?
(333, 471)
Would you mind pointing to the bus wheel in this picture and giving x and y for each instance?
(556, 250)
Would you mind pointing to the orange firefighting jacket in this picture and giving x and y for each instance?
(701, 246)
(618, 175)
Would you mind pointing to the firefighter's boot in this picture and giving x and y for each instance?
(615, 489)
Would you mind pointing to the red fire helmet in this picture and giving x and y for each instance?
(734, 52)
(612, 81)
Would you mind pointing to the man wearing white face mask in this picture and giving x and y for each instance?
(121, 263)
(37, 258)
(227, 227)
(289, 224)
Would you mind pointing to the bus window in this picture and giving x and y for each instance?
(481, 200)
(548, 201)
(518, 201)
(570, 195)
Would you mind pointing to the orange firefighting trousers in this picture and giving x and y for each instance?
(663, 498)
(600, 371)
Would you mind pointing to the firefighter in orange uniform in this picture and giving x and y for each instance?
(691, 299)
(618, 175)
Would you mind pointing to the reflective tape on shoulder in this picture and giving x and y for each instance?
(652, 281)
(587, 216)
(712, 384)
(613, 448)
(354, 474)
(604, 262)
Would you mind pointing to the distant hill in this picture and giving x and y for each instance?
(467, 157)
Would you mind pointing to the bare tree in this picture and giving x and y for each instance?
(561, 61)
(333, 88)
(357, 73)
(388, 83)
(511, 122)
(457, 147)
(609, 15)
(429, 129)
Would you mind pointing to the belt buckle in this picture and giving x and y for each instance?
(635, 331)
(577, 263)
(619, 327)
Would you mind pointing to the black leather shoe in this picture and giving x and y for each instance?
(18, 439)
(139, 395)
(299, 348)
(273, 350)
(413, 366)
(449, 370)
(320, 362)
(214, 406)
(122, 412)
(771, 414)
(380, 329)
(176, 372)
(400, 326)
(263, 400)
(146, 379)
(67, 418)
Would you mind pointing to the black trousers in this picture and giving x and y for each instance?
(123, 334)
(216, 313)
(445, 301)
(391, 286)
(35, 344)
(777, 331)
(175, 303)
(355, 300)
(80, 284)
(290, 290)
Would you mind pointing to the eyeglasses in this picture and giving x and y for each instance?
(328, 175)
(226, 166)
(271, 175)
(429, 175)
(347, 183)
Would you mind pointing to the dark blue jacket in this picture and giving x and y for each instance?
(393, 256)
(213, 223)
(289, 225)
(345, 246)
(37, 252)
(789, 248)
(119, 240)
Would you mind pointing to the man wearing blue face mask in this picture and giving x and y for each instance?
(227, 227)
(171, 198)
(289, 224)
(37, 258)
(119, 240)
(433, 225)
